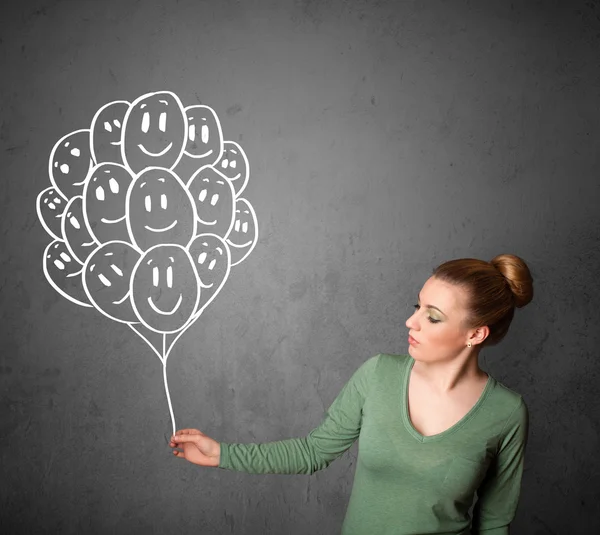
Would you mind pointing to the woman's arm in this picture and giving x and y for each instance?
(498, 495)
(336, 433)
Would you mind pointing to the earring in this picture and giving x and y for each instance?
(469, 344)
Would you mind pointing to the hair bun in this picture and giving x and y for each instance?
(517, 275)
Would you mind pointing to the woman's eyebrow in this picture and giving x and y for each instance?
(428, 306)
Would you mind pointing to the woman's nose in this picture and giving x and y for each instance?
(411, 323)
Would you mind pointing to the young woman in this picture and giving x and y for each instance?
(435, 431)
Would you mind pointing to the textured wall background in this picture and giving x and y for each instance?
(383, 138)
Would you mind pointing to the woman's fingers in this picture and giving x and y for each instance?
(188, 432)
(185, 438)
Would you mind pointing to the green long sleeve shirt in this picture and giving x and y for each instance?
(406, 483)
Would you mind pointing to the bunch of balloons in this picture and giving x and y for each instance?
(146, 216)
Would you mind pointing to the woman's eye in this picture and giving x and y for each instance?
(428, 317)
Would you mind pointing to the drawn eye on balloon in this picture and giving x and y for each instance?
(214, 199)
(159, 210)
(107, 280)
(106, 132)
(70, 162)
(64, 273)
(154, 132)
(212, 260)
(105, 201)
(165, 289)
(50, 208)
(78, 239)
(244, 234)
(234, 165)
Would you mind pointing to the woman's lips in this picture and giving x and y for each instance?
(412, 341)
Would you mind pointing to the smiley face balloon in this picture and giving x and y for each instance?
(160, 210)
(234, 165)
(154, 132)
(107, 280)
(204, 142)
(214, 199)
(64, 273)
(70, 162)
(75, 232)
(244, 234)
(50, 208)
(212, 261)
(105, 200)
(106, 131)
(164, 288)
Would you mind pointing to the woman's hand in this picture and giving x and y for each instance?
(196, 447)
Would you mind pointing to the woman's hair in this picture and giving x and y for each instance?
(494, 288)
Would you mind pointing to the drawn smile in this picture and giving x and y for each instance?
(109, 221)
(207, 153)
(161, 229)
(155, 154)
(115, 142)
(158, 311)
(240, 246)
(206, 286)
(206, 222)
(121, 300)
(236, 176)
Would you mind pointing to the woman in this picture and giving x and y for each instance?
(433, 428)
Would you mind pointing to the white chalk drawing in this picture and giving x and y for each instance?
(146, 217)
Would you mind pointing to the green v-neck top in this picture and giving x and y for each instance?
(406, 483)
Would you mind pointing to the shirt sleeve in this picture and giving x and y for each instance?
(336, 433)
(498, 495)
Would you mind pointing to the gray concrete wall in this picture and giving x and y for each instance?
(383, 138)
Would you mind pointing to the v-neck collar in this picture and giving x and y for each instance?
(489, 385)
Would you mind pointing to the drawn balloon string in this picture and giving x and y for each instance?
(146, 216)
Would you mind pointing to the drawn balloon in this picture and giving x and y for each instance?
(107, 280)
(50, 208)
(145, 218)
(204, 141)
(75, 232)
(105, 201)
(106, 132)
(233, 163)
(214, 199)
(244, 234)
(70, 162)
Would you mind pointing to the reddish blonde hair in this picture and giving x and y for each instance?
(494, 289)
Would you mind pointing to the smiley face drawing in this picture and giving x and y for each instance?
(78, 239)
(154, 132)
(159, 210)
(212, 261)
(214, 199)
(106, 130)
(70, 162)
(164, 288)
(105, 200)
(50, 208)
(64, 273)
(204, 142)
(107, 280)
(234, 165)
(244, 234)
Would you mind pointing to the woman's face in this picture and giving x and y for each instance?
(437, 323)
